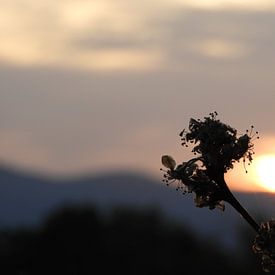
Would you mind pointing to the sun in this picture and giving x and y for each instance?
(265, 171)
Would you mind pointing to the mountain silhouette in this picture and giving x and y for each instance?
(26, 199)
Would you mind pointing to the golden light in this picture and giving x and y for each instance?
(229, 4)
(260, 176)
(265, 171)
(218, 48)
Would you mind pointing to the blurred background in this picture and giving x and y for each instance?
(92, 94)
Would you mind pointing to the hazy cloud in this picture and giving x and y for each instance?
(128, 34)
(215, 48)
(258, 5)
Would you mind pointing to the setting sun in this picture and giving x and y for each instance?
(265, 166)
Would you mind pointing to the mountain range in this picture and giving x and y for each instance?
(26, 199)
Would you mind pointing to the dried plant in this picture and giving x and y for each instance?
(216, 147)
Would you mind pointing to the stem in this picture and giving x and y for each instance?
(229, 197)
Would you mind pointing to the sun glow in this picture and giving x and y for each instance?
(265, 171)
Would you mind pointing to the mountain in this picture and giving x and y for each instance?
(26, 199)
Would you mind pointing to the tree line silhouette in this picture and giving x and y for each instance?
(79, 239)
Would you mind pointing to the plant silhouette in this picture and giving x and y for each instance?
(217, 146)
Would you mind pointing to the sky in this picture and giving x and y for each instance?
(94, 86)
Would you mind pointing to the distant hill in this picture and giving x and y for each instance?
(26, 199)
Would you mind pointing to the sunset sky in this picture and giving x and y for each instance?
(89, 86)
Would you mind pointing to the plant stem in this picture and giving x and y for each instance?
(230, 198)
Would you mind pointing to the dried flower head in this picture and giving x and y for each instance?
(217, 143)
(191, 177)
(216, 146)
(264, 245)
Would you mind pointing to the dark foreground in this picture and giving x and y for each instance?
(81, 240)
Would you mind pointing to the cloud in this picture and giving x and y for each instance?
(115, 59)
(217, 48)
(131, 35)
(41, 34)
(259, 5)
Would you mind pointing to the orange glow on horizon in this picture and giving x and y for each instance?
(260, 176)
(265, 166)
